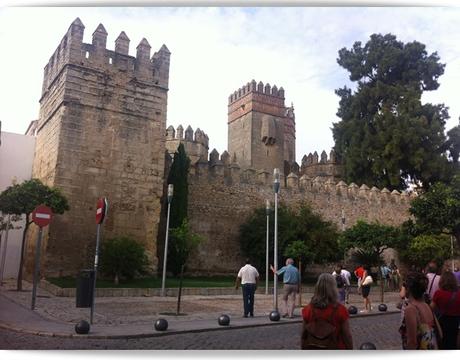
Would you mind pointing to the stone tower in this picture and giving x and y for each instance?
(261, 130)
(101, 134)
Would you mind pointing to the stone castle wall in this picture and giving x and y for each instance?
(101, 134)
(222, 196)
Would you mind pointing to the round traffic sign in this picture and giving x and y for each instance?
(42, 215)
(101, 210)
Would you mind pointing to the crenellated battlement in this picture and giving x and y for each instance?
(259, 88)
(221, 169)
(196, 143)
(72, 50)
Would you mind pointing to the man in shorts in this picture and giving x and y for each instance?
(291, 280)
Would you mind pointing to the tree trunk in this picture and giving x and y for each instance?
(180, 289)
(21, 261)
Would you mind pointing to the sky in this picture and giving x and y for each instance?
(216, 50)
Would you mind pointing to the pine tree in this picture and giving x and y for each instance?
(386, 136)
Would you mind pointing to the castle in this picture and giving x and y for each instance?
(102, 132)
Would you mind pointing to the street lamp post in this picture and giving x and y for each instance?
(267, 211)
(170, 196)
(276, 188)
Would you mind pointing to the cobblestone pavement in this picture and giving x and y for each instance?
(380, 330)
(145, 310)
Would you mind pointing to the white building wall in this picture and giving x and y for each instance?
(16, 158)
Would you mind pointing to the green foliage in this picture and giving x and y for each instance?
(183, 242)
(386, 136)
(123, 257)
(298, 250)
(368, 241)
(24, 198)
(424, 248)
(178, 175)
(438, 210)
(453, 143)
(299, 232)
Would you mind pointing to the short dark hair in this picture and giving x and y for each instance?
(432, 267)
(448, 281)
(416, 284)
(247, 261)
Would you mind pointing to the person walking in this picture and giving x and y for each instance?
(418, 329)
(366, 288)
(291, 280)
(341, 283)
(395, 275)
(359, 272)
(433, 280)
(248, 277)
(446, 304)
(326, 323)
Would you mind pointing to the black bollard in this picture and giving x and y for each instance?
(223, 320)
(367, 346)
(352, 310)
(161, 325)
(82, 327)
(382, 307)
(275, 316)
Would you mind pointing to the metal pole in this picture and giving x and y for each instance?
(452, 252)
(267, 208)
(37, 267)
(2, 266)
(96, 260)
(275, 260)
(165, 258)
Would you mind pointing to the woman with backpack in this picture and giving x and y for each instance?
(446, 304)
(326, 321)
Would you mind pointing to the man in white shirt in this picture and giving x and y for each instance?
(248, 276)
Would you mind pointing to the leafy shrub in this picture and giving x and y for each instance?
(123, 257)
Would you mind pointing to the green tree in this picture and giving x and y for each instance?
(23, 199)
(453, 143)
(123, 257)
(368, 241)
(424, 248)
(294, 226)
(178, 177)
(386, 136)
(184, 242)
(437, 211)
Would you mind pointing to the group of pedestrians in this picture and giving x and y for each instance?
(430, 311)
(430, 306)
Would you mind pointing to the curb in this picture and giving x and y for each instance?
(172, 332)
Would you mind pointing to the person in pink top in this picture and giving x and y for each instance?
(446, 303)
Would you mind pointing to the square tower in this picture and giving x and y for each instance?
(258, 123)
(101, 134)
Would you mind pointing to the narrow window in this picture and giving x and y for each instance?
(110, 61)
(87, 55)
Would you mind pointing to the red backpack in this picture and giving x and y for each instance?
(318, 333)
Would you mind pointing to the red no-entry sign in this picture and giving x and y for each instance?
(101, 210)
(42, 215)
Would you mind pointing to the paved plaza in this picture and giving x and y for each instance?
(127, 323)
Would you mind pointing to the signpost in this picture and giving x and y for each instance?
(101, 212)
(41, 216)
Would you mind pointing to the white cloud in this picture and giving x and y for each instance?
(217, 50)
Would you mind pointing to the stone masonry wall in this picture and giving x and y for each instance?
(101, 134)
(220, 200)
